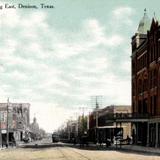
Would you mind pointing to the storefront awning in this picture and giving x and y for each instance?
(103, 127)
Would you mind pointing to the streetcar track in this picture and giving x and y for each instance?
(85, 157)
(64, 156)
(81, 155)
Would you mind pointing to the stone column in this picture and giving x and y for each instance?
(122, 132)
(136, 140)
(0, 138)
(116, 140)
(156, 144)
(148, 134)
(0, 130)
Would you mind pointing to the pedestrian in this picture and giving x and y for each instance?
(74, 141)
(128, 140)
(100, 141)
(108, 143)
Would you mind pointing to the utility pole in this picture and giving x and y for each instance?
(7, 142)
(97, 107)
(1, 127)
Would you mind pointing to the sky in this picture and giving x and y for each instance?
(59, 59)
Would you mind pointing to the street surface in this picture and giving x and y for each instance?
(46, 151)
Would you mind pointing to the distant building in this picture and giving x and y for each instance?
(146, 82)
(34, 128)
(14, 119)
(72, 129)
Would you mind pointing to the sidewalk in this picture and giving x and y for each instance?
(128, 148)
(9, 147)
(140, 149)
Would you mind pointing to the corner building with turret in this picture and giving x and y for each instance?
(145, 60)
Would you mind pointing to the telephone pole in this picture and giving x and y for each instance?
(1, 127)
(7, 141)
(96, 103)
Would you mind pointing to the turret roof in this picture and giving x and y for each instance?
(145, 24)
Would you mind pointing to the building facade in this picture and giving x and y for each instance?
(145, 61)
(103, 124)
(14, 121)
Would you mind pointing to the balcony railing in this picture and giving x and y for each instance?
(121, 117)
(132, 115)
(116, 116)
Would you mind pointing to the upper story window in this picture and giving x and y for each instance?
(153, 78)
(133, 67)
(133, 47)
(142, 62)
(153, 53)
(158, 47)
(133, 89)
(140, 86)
(145, 84)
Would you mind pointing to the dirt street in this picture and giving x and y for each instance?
(67, 153)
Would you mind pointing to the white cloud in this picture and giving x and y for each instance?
(9, 17)
(126, 66)
(123, 11)
(115, 40)
(54, 73)
(91, 35)
(122, 20)
(95, 30)
(98, 34)
(18, 76)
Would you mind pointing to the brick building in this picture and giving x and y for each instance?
(146, 82)
(15, 118)
(102, 123)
